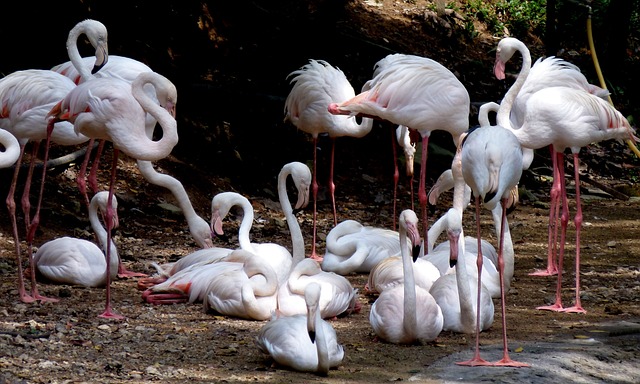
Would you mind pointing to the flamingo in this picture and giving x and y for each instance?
(406, 313)
(544, 73)
(305, 342)
(69, 260)
(127, 69)
(11, 149)
(354, 247)
(187, 278)
(25, 98)
(403, 137)
(315, 85)
(492, 164)
(114, 110)
(419, 93)
(563, 117)
(248, 292)
(455, 292)
(338, 295)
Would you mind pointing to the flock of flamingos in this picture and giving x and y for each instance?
(423, 288)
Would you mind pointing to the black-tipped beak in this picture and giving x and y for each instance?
(415, 252)
(312, 336)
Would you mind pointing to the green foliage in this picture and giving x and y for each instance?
(518, 17)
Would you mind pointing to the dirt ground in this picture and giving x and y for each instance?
(66, 342)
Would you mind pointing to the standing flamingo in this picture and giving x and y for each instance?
(492, 163)
(69, 260)
(126, 69)
(315, 85)
(114, 110)
(419, 93)
(544, 73)
(304, 342)
(25, 99)
(565, 118)
(406, 313)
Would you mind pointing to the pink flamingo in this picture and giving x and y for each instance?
(114, 110)
(25, 98)
(315, 85)
(419, 93)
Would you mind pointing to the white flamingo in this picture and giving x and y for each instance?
(305, 342)
(114, 110)
(563, 117)
(11, 149)
(315, 85)
(69, 260)
(126, 69)
(406, 313)
(416, 92)
(338, 295)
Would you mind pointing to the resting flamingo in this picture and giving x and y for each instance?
(25, 99)
(69, 260)
(187, 279)
(544, 73)
(492, 163)
(565, 118)
(315, 85)
(338, 295)
(305, 342)
(10, 149)
(127, 69)
(114, 110)
(419, 93)
(406, 313)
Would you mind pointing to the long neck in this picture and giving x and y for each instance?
(503, 117)
(74, 53)
(297, 240)
(176, 188)
(11, 149)
(101, 233)
(463, 281)
(322, 347)
(245, 225)
(149, 149)
(258, 287)
(409, 319)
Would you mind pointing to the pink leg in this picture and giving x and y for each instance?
(396, 176)
(422, 193)
(109, 215)
(506, 360)
(314, 187)
(577, 307)
(553, 221)
(93, 174)
(476, 360)
(332, 186)
(80, 180)
(33, 224)
(564, 219)
(11, 207)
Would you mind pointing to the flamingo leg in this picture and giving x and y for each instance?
(577, 307)
(476, 360)
(554, 212)
(93, 174)
(422, 193)
(314, 187)
(557, 306)
(11, 207)
(506, 361)
(332, 186)
(396, 175)
(33, 224)
(109, 222)
(80, 180)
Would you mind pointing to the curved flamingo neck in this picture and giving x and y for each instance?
(297, 240)
(463, 281)
(245, 224)
(11, 149)
(149, 149)
(409, 319)
(101, 233)
(74, 53)
(503, 117)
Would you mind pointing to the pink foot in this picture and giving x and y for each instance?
(574, 309)
(46, 299)
(544, 272)
(555, 307)
(107, 314)
(124, 273)
(507, 362)
(477, 361)
(148, 282)
(315, 257)
(164, 298)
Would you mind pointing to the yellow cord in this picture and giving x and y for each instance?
(629, 142)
